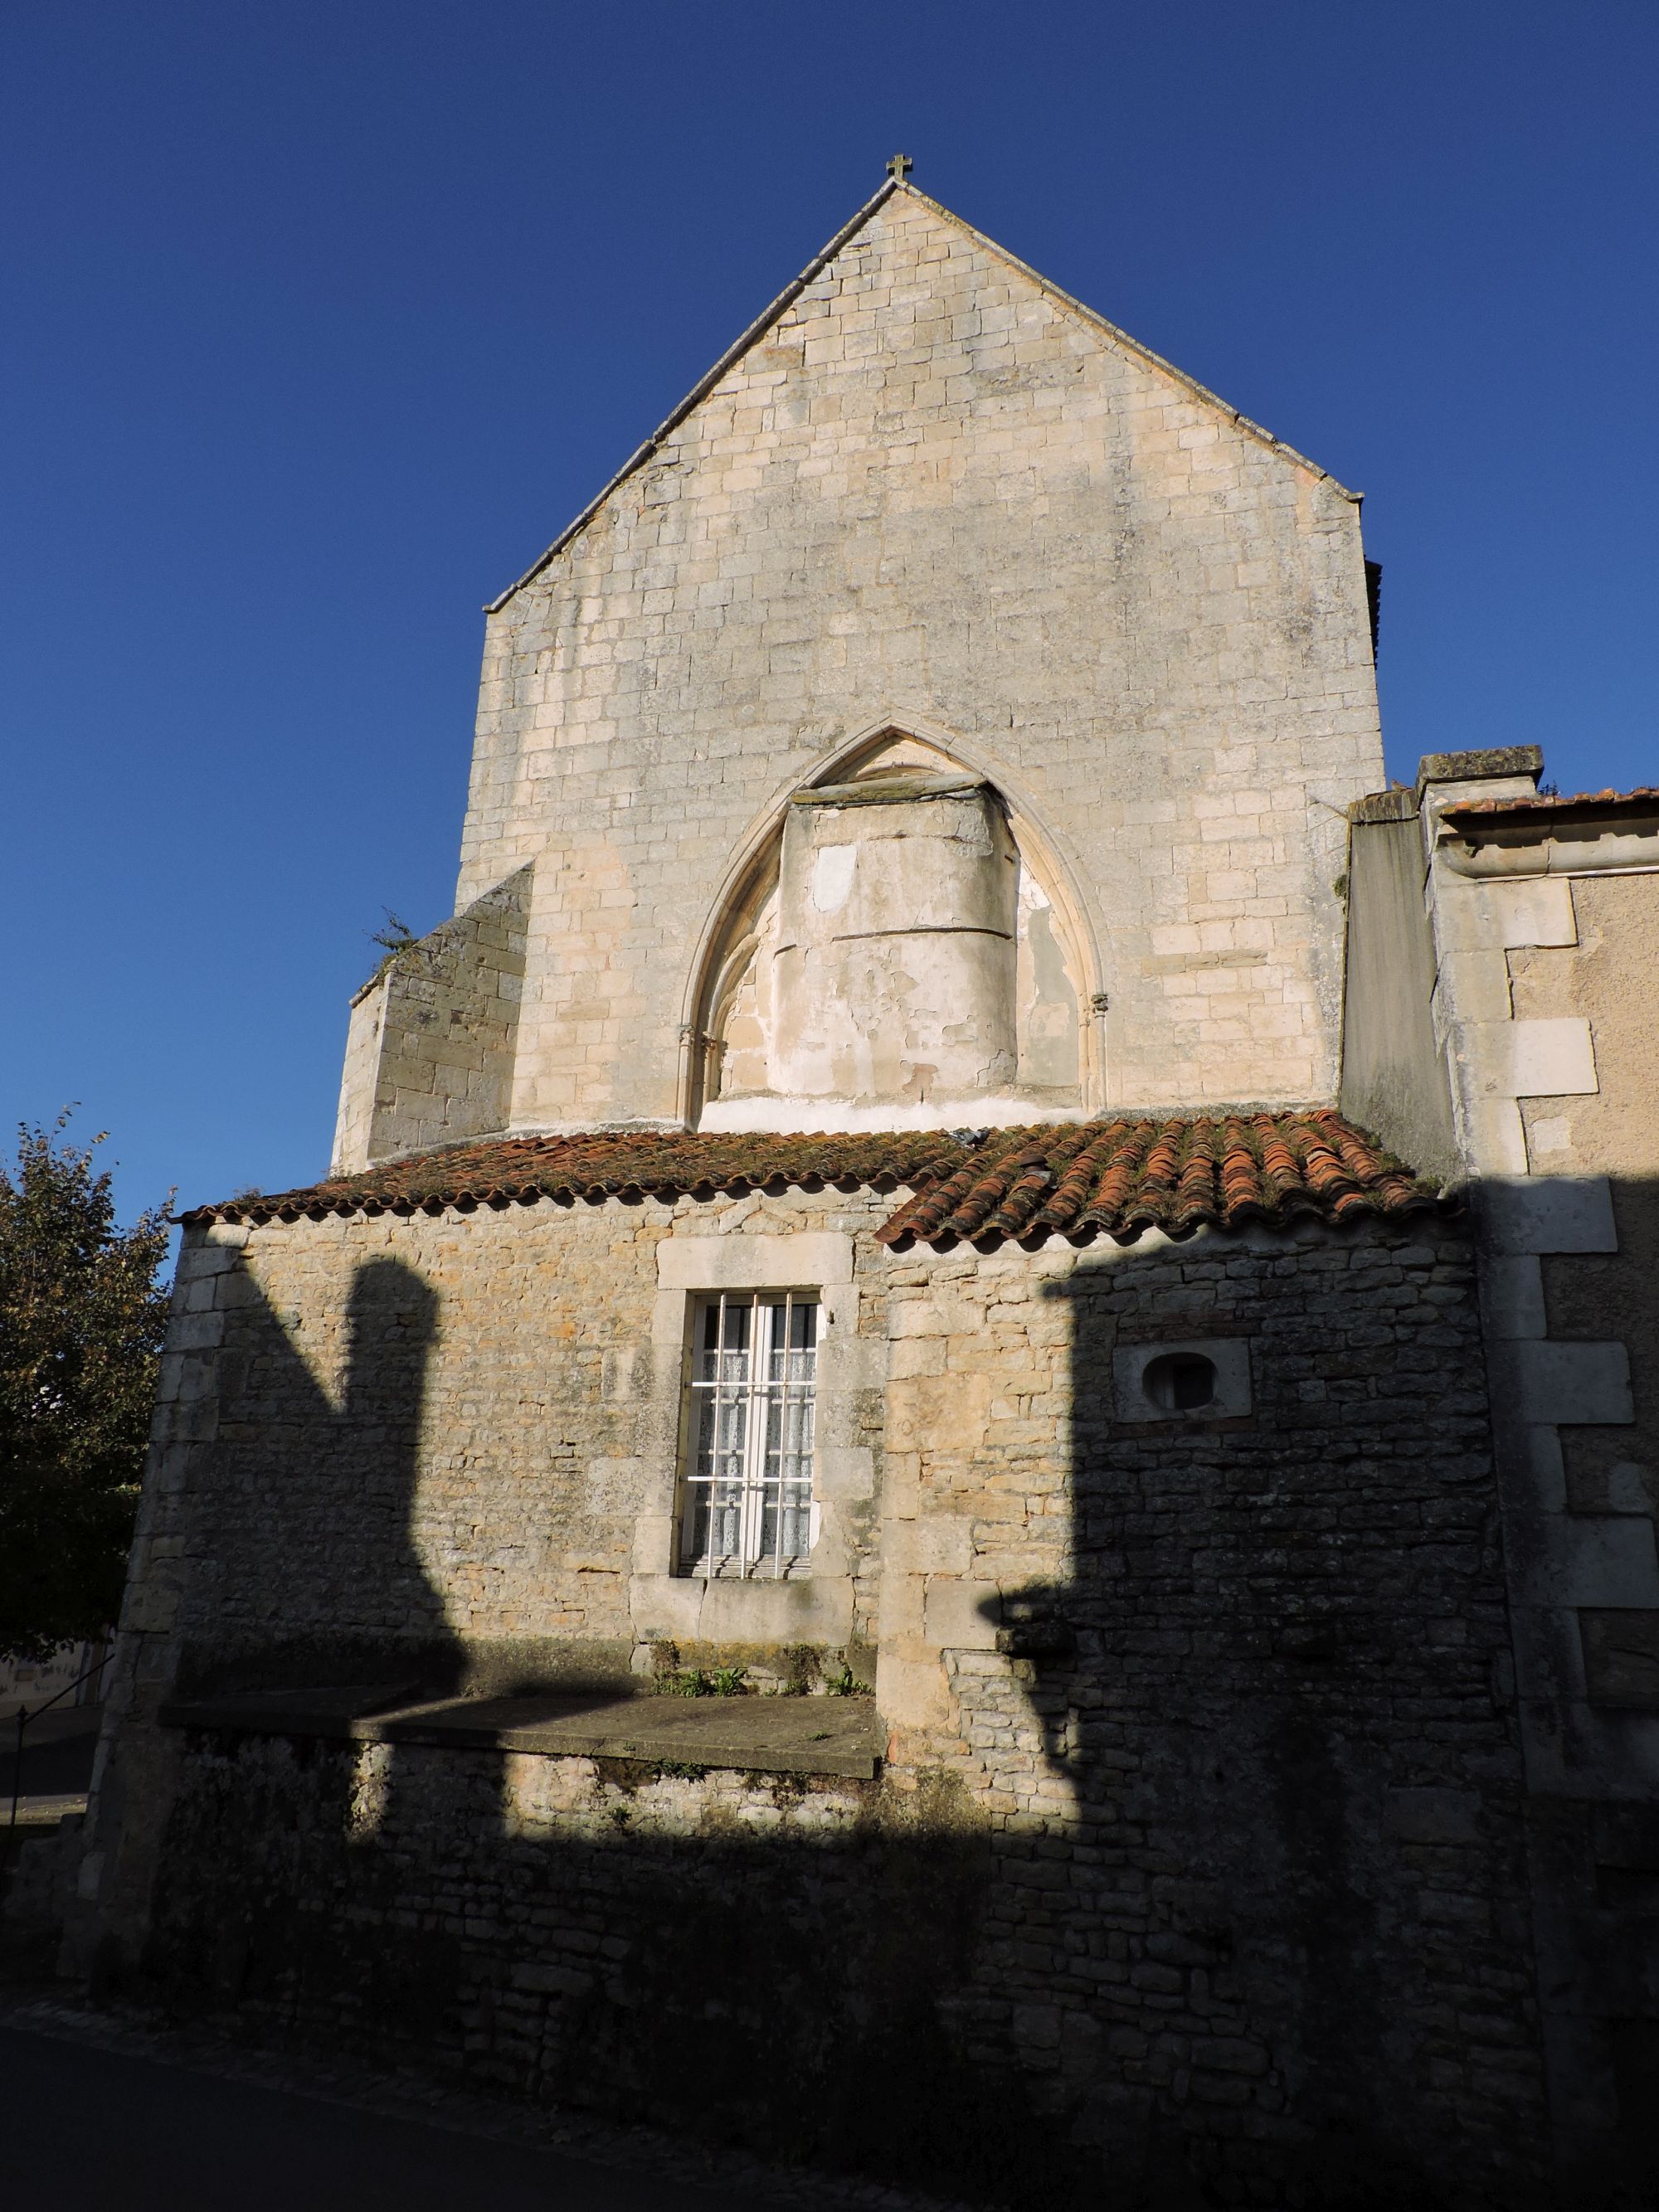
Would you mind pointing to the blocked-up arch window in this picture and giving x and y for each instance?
(900, 948)
(747, 1509)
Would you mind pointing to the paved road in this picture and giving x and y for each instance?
(83, 2126)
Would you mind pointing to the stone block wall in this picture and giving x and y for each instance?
(461, 1438)
(1531, 1018)
(1548, 1000)
(1199, 1845)
(935, 496)
(430, 1050)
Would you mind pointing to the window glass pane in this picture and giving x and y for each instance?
(725, 1353)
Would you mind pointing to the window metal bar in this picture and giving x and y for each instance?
(781, 1363)
(751, 1523)
(713, 1439)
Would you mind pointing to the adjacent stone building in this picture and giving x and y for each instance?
(1501, 1018)
(869, 1512)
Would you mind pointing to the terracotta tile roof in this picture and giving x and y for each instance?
(1644, 799)
(1118, 1178)
(608, 1164)
(1096, 1178)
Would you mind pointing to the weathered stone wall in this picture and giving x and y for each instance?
(1279, 1743)
(429, 1053)
(1394, 1078)
(1593, 1600)
(937, 496)
(1198, 1839)
(897, 960)
(460, 1437)
(1605, 979)
(1544, 1005)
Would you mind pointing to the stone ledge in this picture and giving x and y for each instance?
(765, 1735)
(1491, 763)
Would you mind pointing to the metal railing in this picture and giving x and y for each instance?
(25, 1716)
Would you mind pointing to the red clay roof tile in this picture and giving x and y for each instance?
(1117, 1178)
(1644, 799)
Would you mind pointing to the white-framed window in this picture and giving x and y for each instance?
(746, 1509)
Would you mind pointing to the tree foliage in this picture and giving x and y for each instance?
(81, 1319)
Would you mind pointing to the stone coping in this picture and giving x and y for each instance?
(44, 1811)
(891, 790)
(759, 1734)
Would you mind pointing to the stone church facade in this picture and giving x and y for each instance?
(951, 1474)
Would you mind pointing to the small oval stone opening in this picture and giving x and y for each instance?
(1181, 1382)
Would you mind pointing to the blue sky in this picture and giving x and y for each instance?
(324, 315)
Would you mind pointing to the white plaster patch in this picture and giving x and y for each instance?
(1531, 1059)
(1537, 910)
(832, 876)
(1550, 1058)
(1553, 1134)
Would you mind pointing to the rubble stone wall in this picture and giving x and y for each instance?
(1198, 1843)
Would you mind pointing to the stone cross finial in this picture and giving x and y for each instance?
(900, 168)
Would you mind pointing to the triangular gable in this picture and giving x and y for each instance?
(792, 292)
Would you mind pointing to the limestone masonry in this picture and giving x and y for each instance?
(934, 496)
(958, 1473)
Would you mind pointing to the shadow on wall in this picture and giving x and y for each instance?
(322, 1584)
(759, 1957)
(321, 1496)
(1268, 1689)
(1282, 1847)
